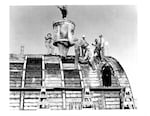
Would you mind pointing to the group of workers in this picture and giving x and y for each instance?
(83, 53)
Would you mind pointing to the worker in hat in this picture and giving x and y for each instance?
(84, 44)
(89, 57)
(87, 54)
(101, 46)
(96, 51)
(79, 47)
(49, 43)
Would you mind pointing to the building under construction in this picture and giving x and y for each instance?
(61, 82)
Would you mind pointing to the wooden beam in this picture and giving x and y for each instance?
(69, 89)
(80, 73)
(22, 100)
(24, 69)
(43, 72)
(63, 84)
(23, 84)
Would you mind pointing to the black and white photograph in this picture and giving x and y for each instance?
(72, 57)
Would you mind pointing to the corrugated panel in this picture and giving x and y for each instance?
(52, 78)
(51, 59)
(68, 66)
(112, 100)
(15, 79)
(52, 66)
(55, 101)
(31, 100)
(113, 106)
(16, 66)
(73, 98)
(52, 72)
(72, 78)
(33, 75)
(52, 75)
(14, 100)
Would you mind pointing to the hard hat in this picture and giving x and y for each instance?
(49, 35)
(83, 35)
(100, 35)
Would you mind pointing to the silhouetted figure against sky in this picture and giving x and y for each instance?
(49, 43)
(63, 10)
(99, 47)
(83, 46)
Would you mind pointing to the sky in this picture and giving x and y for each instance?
(118, 24)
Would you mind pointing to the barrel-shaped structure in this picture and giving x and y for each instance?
(65, 85)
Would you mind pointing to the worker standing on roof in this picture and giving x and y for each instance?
(97, 56)
(101, 46)
(49, 44)
(77, 51)
(84, 45)
(83, 52)
(88, 57)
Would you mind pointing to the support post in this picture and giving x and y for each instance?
(63, 84)
(43, 72)
(23, 84)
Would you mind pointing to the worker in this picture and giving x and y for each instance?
(101, 46)
(49, 44)
(84, 45)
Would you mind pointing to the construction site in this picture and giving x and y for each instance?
(68, 82)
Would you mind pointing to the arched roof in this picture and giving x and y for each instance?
(122, 78)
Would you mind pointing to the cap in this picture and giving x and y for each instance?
(96, 39)
(49, 35)
(83, 35)
(100, 35)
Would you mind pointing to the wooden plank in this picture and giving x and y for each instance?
(54, 96)
(14, 105)
(14, 96)
(14, 108)
(56, 107)
(52, 86)
(91, 79)
(55, 100)
(30, 108)
(68, 65)
(53, 81)
(73, 100)
(71, 92)
(23, 75)
(112, 99)
(14, 101)
(31, 100)
(51, 59)
(112, 106)
(74, 95)
(112, 103)
(59, 104)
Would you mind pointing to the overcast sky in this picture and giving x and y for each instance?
(118, 24)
